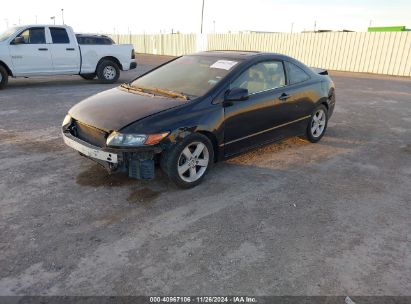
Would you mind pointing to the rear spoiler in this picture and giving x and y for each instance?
(320, 71)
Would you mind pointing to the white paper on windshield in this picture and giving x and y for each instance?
(223, 64)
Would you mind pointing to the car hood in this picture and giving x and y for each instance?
(114, 109)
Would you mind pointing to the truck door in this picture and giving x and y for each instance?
(64, 51)
(33, 55)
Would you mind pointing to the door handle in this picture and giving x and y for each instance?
(69, 49)
(43, 49)
(284, 96)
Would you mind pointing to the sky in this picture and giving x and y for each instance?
(221, 16)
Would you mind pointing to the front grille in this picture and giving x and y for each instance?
(89, 134)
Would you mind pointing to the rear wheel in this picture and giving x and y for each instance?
(88, 76)
(318, 124)
(108, 71)
(4, 77)
(187, 163)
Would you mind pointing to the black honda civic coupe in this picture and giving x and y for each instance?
(199, 109)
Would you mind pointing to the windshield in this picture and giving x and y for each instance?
(7, 33)
(189, 75)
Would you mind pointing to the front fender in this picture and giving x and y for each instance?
(2, 63)
(202, 117)
(5, 59)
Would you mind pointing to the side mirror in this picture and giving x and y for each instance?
(18, 40)
(236, 94)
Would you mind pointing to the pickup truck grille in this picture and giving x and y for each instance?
(89, 134)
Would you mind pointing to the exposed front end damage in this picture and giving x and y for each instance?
(138, 162)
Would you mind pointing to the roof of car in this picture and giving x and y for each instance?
(238, 54)
(229, 54)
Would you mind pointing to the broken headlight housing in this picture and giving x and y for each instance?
(116, 139)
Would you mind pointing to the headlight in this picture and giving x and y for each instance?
(132, 140)
(66, 121)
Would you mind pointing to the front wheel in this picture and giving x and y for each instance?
(318, 124)
(108, 71)
(187, 163)
(4, 77)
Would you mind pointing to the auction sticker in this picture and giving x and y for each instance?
(223, 64)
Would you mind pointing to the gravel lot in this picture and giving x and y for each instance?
(292, 218)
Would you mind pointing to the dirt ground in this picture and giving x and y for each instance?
(292, 218)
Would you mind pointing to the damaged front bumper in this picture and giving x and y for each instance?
(138, 162)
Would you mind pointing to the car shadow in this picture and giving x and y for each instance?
(67, 81)
(72, 80)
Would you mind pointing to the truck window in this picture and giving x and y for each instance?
(34, 35)
(94, 40)
(59, 35)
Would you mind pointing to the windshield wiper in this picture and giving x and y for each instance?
(170, 93)
(131, 88)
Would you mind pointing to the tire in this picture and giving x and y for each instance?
(88, 76)
(4, 77)
(108, 71)
(318, 124)
(188, 172)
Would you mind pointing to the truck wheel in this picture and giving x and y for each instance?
(187, 162)
(4, 77)
(88, 76)
(108, 71)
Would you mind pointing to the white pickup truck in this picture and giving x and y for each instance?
(46, 50)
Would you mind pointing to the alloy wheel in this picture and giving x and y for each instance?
(318, 123)
(193, 162)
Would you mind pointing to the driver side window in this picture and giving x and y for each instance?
(34, 35)
(261, 77)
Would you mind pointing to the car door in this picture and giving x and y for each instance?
(64, 52)
(33, 56)
(251, 122)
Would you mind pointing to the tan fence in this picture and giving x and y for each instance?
(380, 53)
(162, 44)
(386, 53)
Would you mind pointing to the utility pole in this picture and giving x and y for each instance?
(62, 15)
(202, 18)
(292, 26)
(36, 19)
(315, 26)
(54, 19)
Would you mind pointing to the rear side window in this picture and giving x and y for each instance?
(94, 40)
(108, 41)
(34, 35)
(295, 73)
(59, 35)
